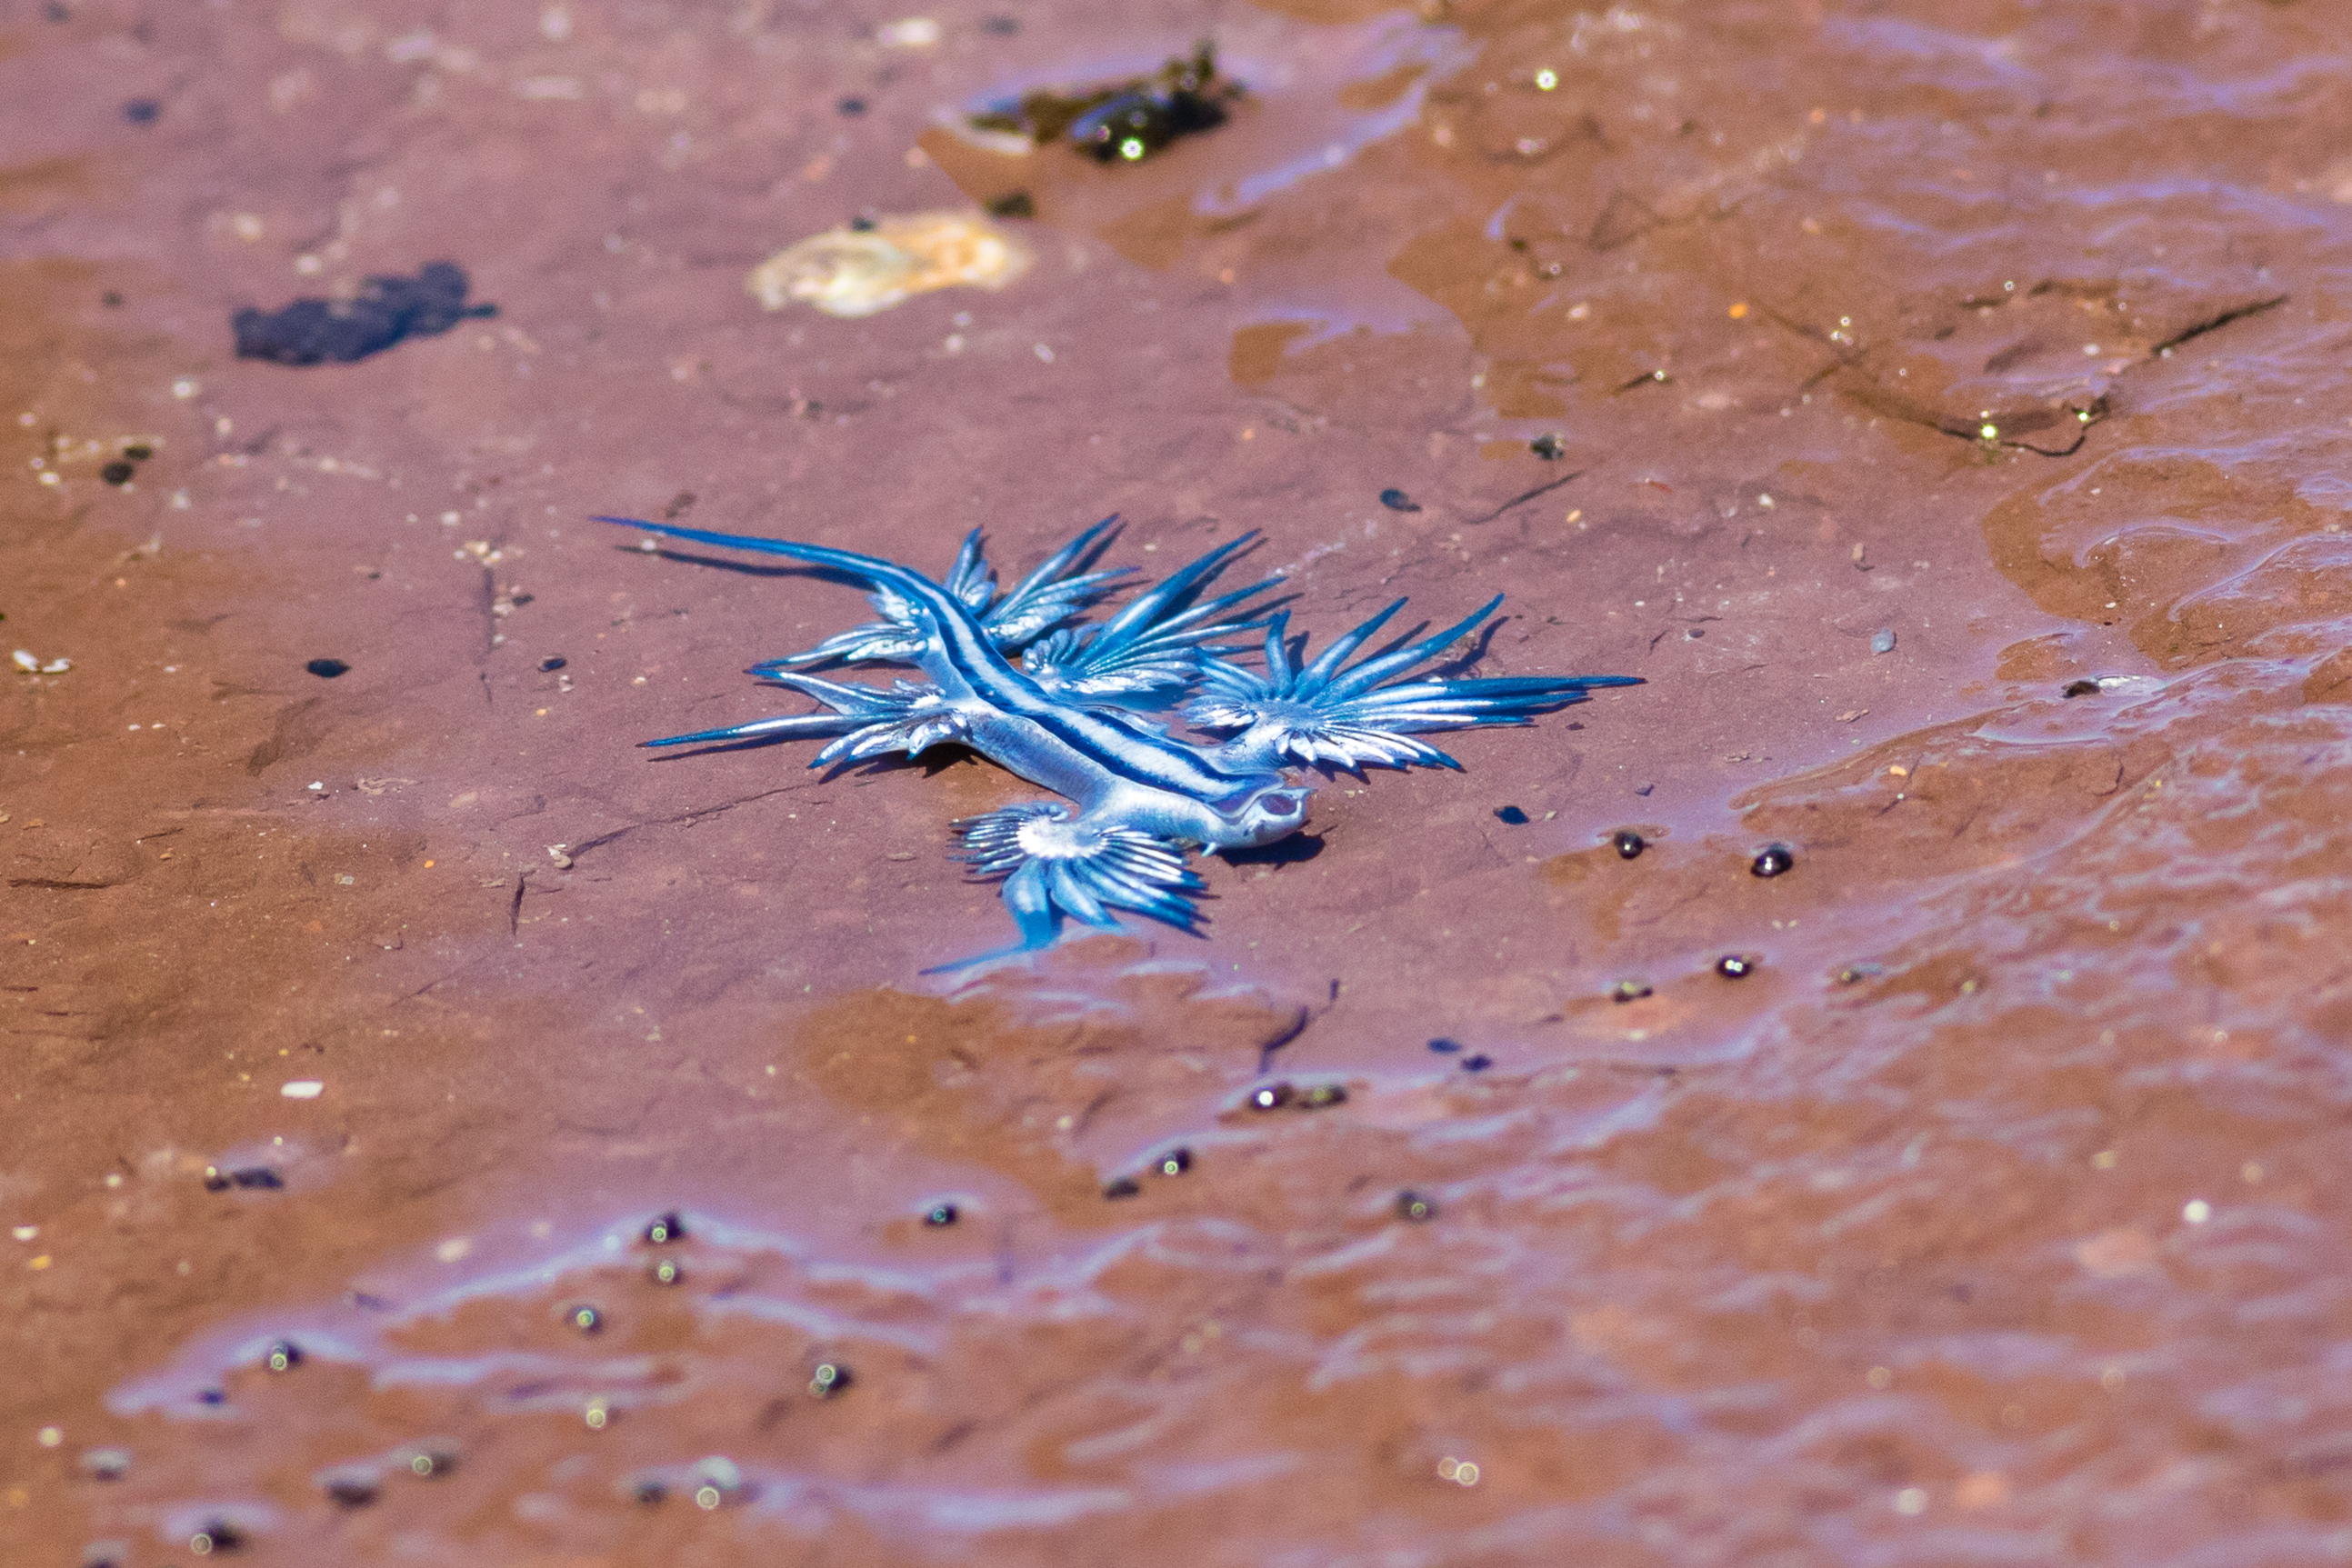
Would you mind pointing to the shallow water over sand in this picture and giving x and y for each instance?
(1989, 1216)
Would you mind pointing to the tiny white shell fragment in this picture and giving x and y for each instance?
(302, 1089)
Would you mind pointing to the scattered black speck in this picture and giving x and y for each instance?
(2080, 689)
(112, 299)
(217, 1535)
(862, 223)
(1628, 843)
(1695, 633)
(316, 331)
(1175, 1162)
(679, 504)
(829, 1379)
(1413, 1206)
(1548, 447)
(1628, 991)
(941, 1215)
(211, 1396)
(1316, 1096)
(105, 1555)
(1444, 1046)
(666, 1272)
(1477, 1061)
(851, 106)
(283, 1355)
(1013, 205)
(1121, 1187)
(1001, 26)
(1733, 967)
(521, 598)
(553, 663)
(352, 1488)
(327, 669)
(586, 1318)
(138, 451)
(1396, 500)
(106, 1464)
(648, 1490)
(1271, 1097)
(55, 11)
(219, 1180)
(142, 110)
(1774, 860)
(117, 472)
(1511, 816)
(666, 1230)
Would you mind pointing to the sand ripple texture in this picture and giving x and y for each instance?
(651, 1211)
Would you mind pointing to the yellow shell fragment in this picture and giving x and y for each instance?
(858, 272)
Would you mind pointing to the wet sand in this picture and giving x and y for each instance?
(1991, 1216)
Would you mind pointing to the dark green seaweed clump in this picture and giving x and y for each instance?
(1123, 122)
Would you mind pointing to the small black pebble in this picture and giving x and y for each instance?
(429, 1462)
(648, 1491)
(1175, 1162)
(661, 1232)
(553, 663)
(106, 1464)
(1013, 205)
(861, 223)
(1548, 447)
(666, 1273)
(1121, 1187)
(284, 1355)
(327, 669)
(941, 1213)
(1396, 500)
(1444, 1046)
(1628, 991)
(1628, 843)
(211, 1396)
(219, 1535)
(829, 1379)
(352, 1488)
(1774, 860)
(219, 1180)
(1001, 27)
(1732, 966)
(1478, 1061)
(586, 1318)
(137, 452)
(1316, 1096)
(117, 472)
(142, 110)
(2080, 689)
(1413, 1206)
(1512, 816)
(312, 331)
(851, 106)
(1273, 1097)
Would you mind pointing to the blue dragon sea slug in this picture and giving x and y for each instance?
(1087, 710)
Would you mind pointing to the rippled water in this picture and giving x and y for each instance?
(1955, 438)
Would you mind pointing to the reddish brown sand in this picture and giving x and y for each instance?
(1997, 1217)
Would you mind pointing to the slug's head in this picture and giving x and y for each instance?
(1269, 815)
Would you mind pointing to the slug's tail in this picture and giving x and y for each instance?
(873, 569)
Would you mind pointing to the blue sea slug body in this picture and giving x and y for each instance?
(1087, 710)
